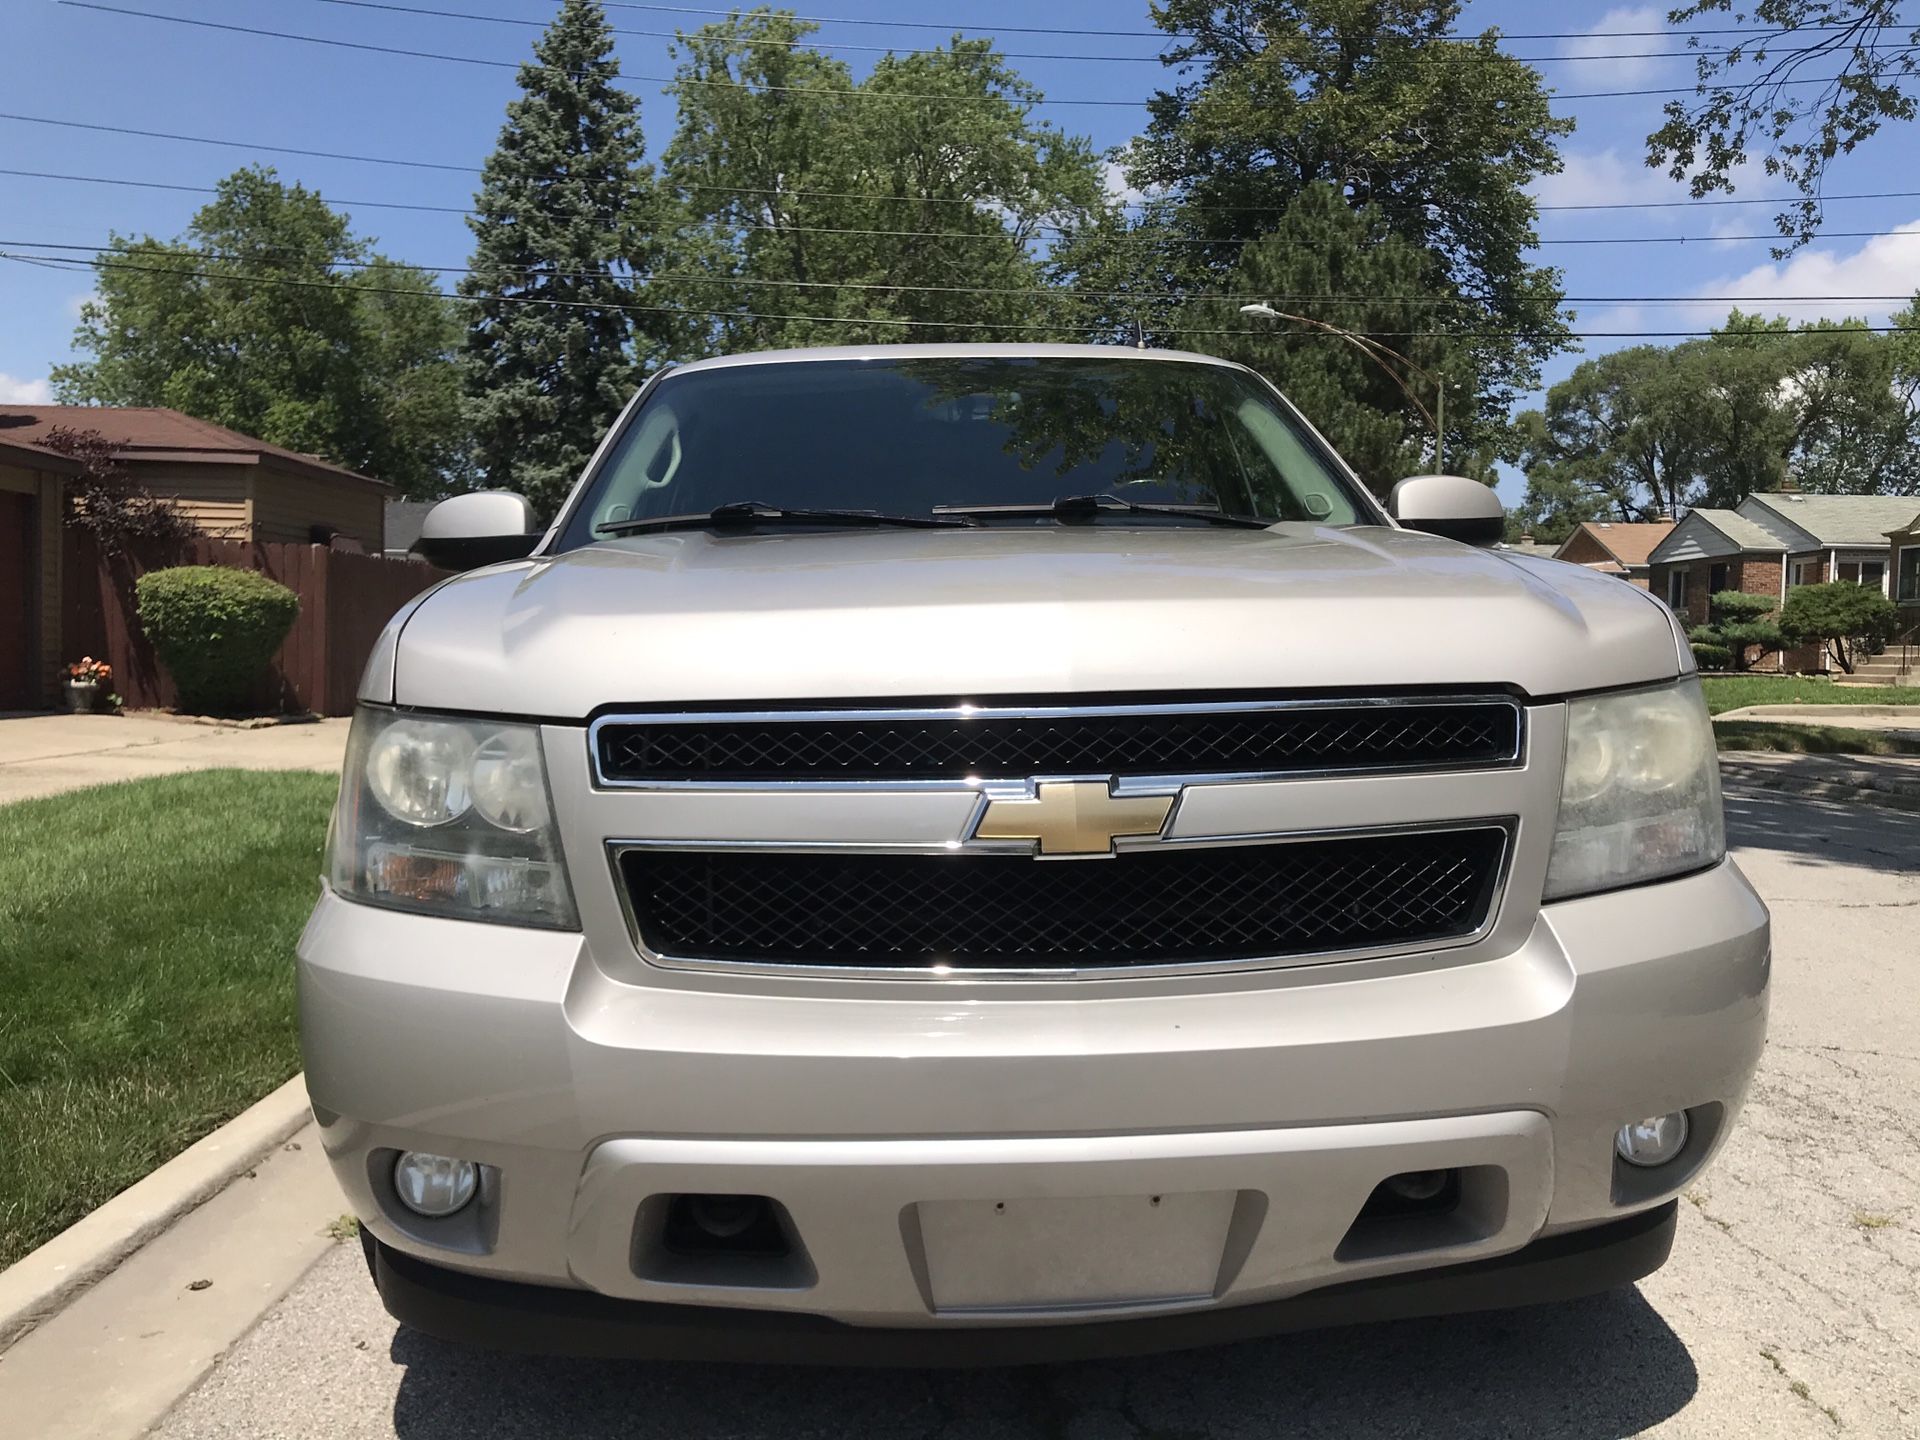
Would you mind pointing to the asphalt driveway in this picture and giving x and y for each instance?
(1791, 1307)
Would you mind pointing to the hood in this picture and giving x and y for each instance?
(924, 614)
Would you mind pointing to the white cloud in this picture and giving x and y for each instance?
(1114, 176)
(1604, 39)
(1886, 265)
(1605, 177)
(24, 392)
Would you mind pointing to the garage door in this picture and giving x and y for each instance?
(18, 514)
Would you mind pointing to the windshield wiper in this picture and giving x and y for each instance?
(1092, 507)
(746, 514)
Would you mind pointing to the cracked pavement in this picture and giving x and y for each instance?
(1791, 1306)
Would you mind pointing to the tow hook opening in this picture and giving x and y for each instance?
(746, 1241)
(1418, 1210)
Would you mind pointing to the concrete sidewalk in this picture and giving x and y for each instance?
(46, 754)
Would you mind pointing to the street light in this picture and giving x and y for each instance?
(1436, 418)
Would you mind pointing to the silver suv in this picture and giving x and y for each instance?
(1000, 853)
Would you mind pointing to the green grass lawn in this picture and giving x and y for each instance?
(1734, 692)
(146, 978)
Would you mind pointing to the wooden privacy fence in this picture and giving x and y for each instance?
(345, 601)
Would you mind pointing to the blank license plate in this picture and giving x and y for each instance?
(1098, 1251)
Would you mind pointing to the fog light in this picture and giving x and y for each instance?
(1653, 1141)
(434, 1185)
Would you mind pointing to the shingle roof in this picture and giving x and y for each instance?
(34, 457)
(150, 433)
(1740, 530)
(1861, 520)
(1629, 542)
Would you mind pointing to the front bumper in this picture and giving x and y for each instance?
(542, 1320)
(1154, 1157)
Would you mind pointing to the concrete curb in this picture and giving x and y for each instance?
(39, 1284)
(1818, 712)
(1855, 785)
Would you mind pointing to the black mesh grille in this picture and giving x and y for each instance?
(1158, 905)
(1454, 735)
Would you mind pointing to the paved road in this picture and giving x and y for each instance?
(1791, 1307)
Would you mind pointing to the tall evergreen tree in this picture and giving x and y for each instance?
(549, 345)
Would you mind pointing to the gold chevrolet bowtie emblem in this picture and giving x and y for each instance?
(1074, 817)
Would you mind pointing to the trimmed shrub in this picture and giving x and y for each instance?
(1848, 619)
(214, 628)
(1743, 624)
(1711, 657)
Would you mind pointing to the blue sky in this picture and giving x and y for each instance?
(66, 62)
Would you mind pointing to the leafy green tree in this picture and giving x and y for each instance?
(800, 193)
(1650, 430)
(248, 321)
(1820, 80)
(1435, 137)
(556, 226)
(1848, 619)
(1616, 441)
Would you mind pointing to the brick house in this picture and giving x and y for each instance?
(1770, 543)
(1619, 548)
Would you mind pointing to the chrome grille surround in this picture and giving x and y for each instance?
(963, 743)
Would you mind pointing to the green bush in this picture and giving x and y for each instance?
(1711, 657)
(214, 628)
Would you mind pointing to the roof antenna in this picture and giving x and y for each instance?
(1139, 334)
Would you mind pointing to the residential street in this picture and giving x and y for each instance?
(1791, 1307)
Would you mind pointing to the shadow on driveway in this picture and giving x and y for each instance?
(1587, 1370)
(1812, 832)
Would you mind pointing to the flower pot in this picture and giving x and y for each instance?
(81, 694)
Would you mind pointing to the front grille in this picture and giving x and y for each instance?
(1014, 743)
(1161, 905)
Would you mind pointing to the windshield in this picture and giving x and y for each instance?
(915, 435)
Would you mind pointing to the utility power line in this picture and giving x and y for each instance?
(950, 26)
(884, 96)
(813, 42)
(665, 277)
(99, 261)
(771, 193)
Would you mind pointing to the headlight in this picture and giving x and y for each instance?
(449, 817)
(1640, 795)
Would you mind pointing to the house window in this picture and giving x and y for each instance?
(1806, 572)
(1909, 573)
(1677, 588)
(1874, 573)
(1717, 578)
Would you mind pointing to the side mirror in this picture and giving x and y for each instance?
(482, 528)
(1449, 505)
